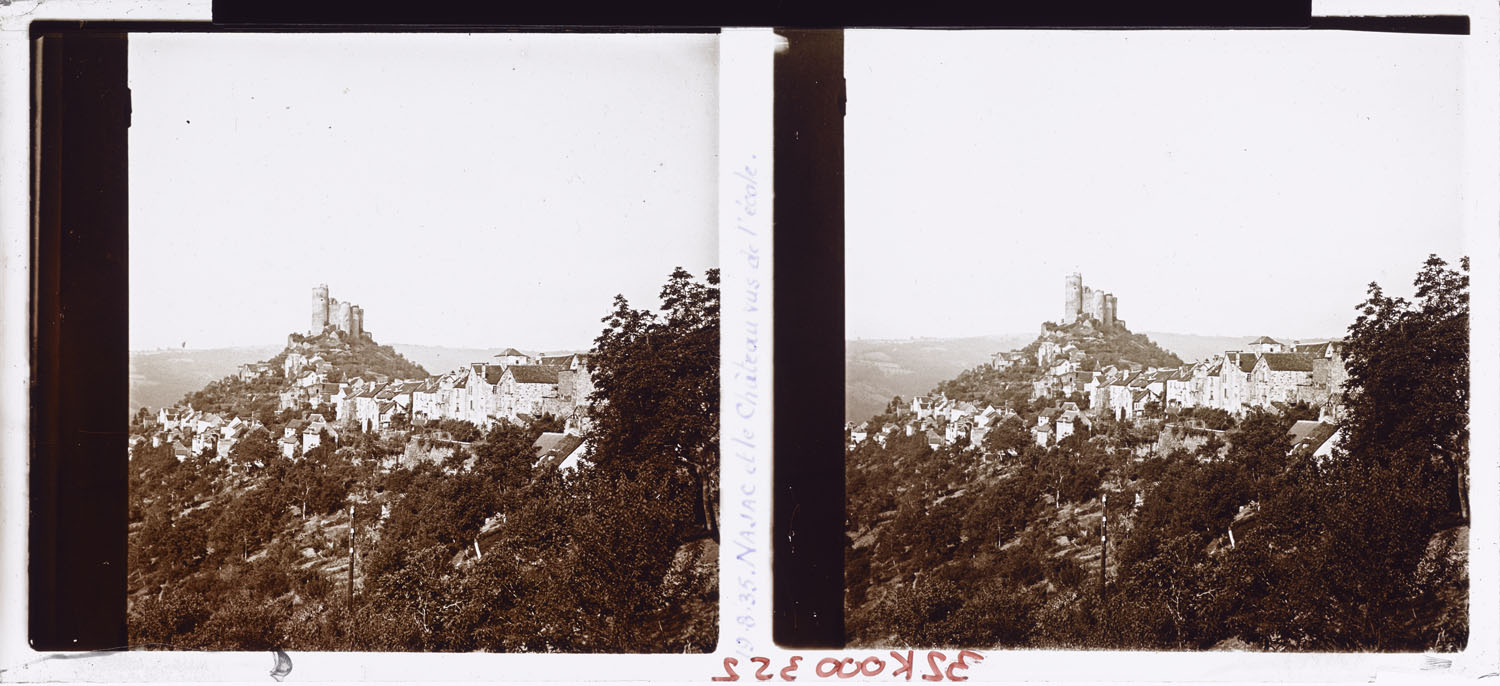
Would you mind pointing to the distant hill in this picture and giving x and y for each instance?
(159, 378)
(876, 370)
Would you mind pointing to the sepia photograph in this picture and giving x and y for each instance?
(1157, 340)
(424, 342)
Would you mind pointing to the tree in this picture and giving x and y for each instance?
(254, 447)
(1260, 445)
(1009, 437)
(655, 405)
(1408, 386)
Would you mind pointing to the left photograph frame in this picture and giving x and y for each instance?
(669, 209)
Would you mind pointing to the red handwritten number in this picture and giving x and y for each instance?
(933, 658)
(962, 663)
(729, 664)
(765, 663)
(787, 672)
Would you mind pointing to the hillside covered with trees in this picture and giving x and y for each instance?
(1198, 531)
(448, 537)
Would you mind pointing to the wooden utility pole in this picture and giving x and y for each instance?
(352, 623)
(1103, 541)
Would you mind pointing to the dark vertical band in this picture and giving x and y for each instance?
(808, 506)
(80, 325)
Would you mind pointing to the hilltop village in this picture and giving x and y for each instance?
(336, 379)
(1092, 490)
(337, 496)
(1080, 370)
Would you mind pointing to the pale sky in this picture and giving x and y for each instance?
(1218, 183)
(467, 190)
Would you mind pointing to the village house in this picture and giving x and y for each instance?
(207, 423)
(1070, 421)
(525, 388)
(202, 442)
(1207, 383)
(1276, 377)
(311, 438)
(254, 370)
(292, 366)
(1042, 432)
(510, 356)
(1315, 439)
(168, 417)
(575, 384)
(1006, 360)
(1046, 352)
(571, 361)
(326, 394)
(288, 442)
(367, 408)
(1120, 395)
(308, 379)
(977, 435)
(1236, 380)
(989, 416)
(957, 431)
(934, 441)
(561, 451)
(1178, 388)
(479, 393)
(454, 394)
(1328, 376)
(1266, 344)
(426, 401)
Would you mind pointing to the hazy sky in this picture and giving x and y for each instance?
(466, 190)
(1225, 183)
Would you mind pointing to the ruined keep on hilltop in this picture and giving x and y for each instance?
(1081, 302)
(326, 311)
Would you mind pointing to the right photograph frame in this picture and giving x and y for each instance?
(1157, 341)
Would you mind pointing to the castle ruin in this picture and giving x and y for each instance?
(327, 311)
(1083, 303)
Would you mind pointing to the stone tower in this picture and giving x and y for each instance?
(1072, 297)
(345, 315)
(358, 323)
(319, 309)
(1096, 306)
(1109, 309)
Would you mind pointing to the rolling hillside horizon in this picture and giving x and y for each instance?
(160, 378)
(875, 370)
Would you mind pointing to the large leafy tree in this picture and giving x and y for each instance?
(656, 399)
(1408, 386)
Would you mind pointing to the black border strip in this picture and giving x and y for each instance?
(79, 326)
(1441, 24)
(807, 562)
(691, 13)
(1413, 24)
